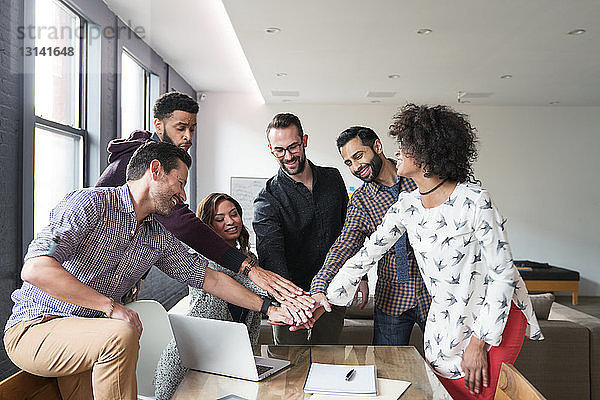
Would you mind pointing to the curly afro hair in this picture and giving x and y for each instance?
(439, 139)
(169, 102)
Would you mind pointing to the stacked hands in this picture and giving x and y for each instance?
(296, 305)
(298, 308)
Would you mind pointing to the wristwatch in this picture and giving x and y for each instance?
(265, 306)
(249, 266)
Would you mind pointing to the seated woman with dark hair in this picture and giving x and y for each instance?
(479, 304)
(224, 214)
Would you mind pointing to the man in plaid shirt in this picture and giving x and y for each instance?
(67, 321)
(401, 299)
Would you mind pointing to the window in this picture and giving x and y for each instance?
(58, 171)
(133, 92)
(139, 89)
(59, 84)
(154, 92)
(57, 77)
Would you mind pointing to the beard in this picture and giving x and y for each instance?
(168, 139)
(299, 167)
(163, 201)
(375, 163)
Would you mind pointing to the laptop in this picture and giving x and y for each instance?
(220, 347)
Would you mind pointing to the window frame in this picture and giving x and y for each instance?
(82, 133)
(147, 85)
(31, 120)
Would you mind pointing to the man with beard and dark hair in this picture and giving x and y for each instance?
(67, 320)
(175, 123)
(297, 217)
(401, 299)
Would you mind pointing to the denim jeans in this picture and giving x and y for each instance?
(394, 331)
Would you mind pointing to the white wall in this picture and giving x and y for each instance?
(540, 164)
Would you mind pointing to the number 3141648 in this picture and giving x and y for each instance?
(47, 51)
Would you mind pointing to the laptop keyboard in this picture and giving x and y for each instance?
(261, 369)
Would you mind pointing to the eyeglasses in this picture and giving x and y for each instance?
(293, 148)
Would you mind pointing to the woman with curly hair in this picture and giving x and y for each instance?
(224, 214)
(480, 308)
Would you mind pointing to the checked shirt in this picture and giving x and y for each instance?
(366, 209)
(93, 233)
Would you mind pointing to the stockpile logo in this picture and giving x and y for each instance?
(92, 32)
(52, 40)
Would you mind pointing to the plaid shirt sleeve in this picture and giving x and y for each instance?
(70, 222)
(346, 245)
(343, 286)
(180, 264)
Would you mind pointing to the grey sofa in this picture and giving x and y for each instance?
(564, 366)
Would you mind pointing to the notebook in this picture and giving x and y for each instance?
(331, 379)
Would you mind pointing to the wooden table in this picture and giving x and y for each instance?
(393, 362)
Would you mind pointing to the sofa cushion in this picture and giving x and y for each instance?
(559, 365)
(542, 303)
(353, 312)
(548, 274)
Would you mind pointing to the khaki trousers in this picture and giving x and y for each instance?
(89, 356)
(327, 330)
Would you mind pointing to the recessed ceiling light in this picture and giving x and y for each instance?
(287, 100)
(577, 32)
(424, 31)
(280, 74)
(554, 102)
(506, 76)
(394, 76)
(272, 30)
(375, 101)
(381, 94)
(285, 93)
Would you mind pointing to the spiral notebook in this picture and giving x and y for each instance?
(331, 379)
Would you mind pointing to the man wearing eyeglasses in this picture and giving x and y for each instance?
(297, 217)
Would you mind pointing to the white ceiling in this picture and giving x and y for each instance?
(195, 37)
(336, 51)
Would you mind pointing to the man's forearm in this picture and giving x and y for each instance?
(346, 245)
(48, 275)
(319, 282)
(226, 288)
(330, 268)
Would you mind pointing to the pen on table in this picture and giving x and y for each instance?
(350, 374)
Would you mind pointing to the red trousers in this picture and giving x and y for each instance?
(507, 351)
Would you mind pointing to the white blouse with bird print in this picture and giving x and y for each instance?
(466, 263)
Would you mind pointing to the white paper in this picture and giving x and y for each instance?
(387, 389)
(331, 379)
